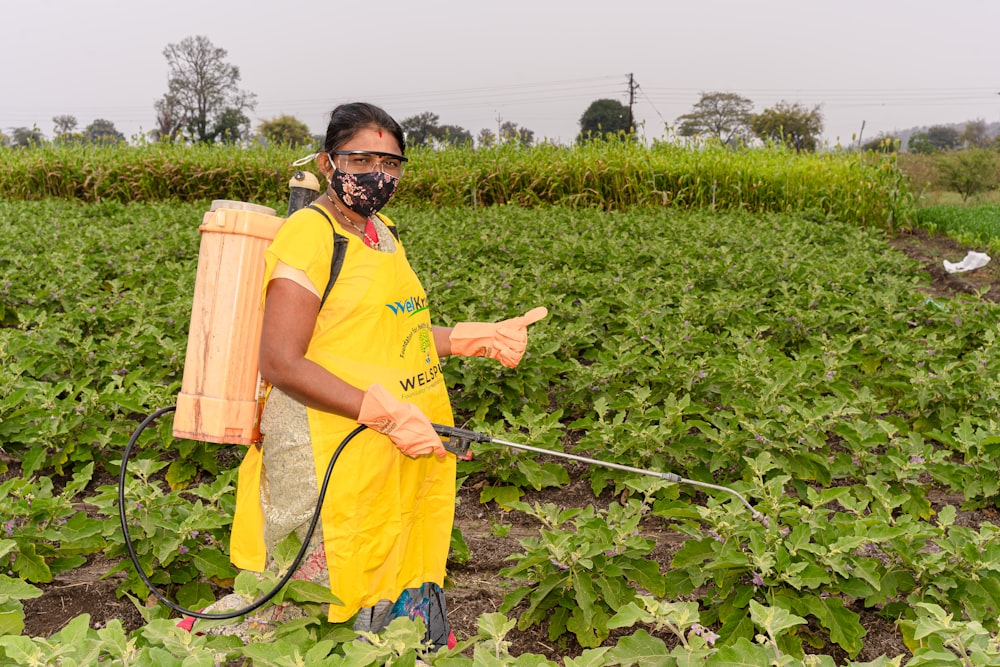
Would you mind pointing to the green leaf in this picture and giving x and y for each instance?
(540, 476)
(742, 653)
(11, 618)
(773, 620)
(586, 598)
(843, 624)
(495, 625)
(881, 661)
(502, 495)
(212, 563)
(16, 589)
(458, 551)
(195, 595)
(630, 615)
(693, 553)
(541, 600)
(639, 649)
(591, 657)
(246, 584)
(804, 575)
(299, 590)
(22, 650)
(646, 573)
(946, 515)
(30, 566)
(180, 473)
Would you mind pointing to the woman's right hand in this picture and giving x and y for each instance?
(402, 422)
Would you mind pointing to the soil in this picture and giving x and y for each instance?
(932, 249)
(475, 588)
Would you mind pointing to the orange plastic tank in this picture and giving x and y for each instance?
(220, 389)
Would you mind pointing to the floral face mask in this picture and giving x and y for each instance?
(365, 193)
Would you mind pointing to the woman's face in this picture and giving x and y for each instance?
(372, 139)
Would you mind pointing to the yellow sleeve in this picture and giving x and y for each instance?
(304, 243)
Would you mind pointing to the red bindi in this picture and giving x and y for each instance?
(380, 134)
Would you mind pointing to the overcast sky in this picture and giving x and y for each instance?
(890, 64)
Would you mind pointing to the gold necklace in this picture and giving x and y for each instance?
(360, 230)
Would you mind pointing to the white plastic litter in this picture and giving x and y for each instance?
(973, 260)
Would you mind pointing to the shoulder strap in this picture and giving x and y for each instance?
(337, 261)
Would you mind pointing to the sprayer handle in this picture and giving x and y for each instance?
(457, 440)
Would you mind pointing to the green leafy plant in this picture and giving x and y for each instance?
(937, 638)
(178, 542)
(579, 577)
(48, 532)
(12, 591)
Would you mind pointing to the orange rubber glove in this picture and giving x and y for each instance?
(504, 341)
(404, 423)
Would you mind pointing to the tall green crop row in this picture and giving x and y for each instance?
(155, 172)
(857, 188)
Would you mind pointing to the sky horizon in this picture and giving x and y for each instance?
(874, 68)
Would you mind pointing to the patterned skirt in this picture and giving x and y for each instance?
(288, 496)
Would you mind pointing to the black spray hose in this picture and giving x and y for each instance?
(456, 440)
(291, 569)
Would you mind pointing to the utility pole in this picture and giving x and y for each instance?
(632, 87)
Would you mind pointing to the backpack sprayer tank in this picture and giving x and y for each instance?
(221, 390)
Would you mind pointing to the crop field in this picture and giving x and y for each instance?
(787, 352)
(978, 225)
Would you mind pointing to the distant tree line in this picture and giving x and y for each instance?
(204, 104)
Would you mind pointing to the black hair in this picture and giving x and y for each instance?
(347, 119)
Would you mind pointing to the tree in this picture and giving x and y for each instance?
(453, 135)
(64, 124)
(936, 138)
(203, 86)
(918, 143)
(102, 132)
(286, 130)
(790, 124)
(883, 143)
(419, 130)
(969, 172)
(486, 138)
(975, 134)
(231, 126)
(510, 132)
(169, 118)
(26, 137)
(605, 117)
(725, 116)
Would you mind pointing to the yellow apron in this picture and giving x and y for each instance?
(387, 518)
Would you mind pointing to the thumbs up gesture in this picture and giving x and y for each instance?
(504, 341)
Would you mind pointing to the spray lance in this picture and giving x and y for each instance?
(222, 393)
(458, 441)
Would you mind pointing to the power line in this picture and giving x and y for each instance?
(542, 101)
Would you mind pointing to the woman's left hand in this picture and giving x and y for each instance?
(504, 341)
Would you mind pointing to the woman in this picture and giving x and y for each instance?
(367, 354)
